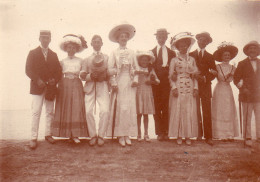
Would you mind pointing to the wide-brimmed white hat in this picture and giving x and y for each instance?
(204, 34)
(121, 28)
(182, 36)
(254, 43)
(76, 39)
(139, 54)
(223, 47)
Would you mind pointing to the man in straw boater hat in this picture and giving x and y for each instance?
(161, 92)
(206, 65)
(94, 72)
(44, 70)
(247, 79)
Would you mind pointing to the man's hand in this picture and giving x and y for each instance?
(213, 72)
(51, 81)
(94, 76)
(83, 75)
(41, 83)
(175, 92)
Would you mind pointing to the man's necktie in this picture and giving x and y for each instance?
(200, 55)
(160, 59)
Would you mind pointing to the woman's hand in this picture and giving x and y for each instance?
(51, 81)
(83, 75)
(195, 92)
(174, 77)
(175, 92)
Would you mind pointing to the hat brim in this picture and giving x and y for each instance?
(71, 39)
(182, 38)
(139, 55)
(122, 28)
(204, 35)
(251, 44)
(218, 53)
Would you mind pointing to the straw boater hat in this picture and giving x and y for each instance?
(45, 33)
(204, 34)
(254, 43)
(121, 28)
(161, 31)
(225, 46)
(139, 54)
(182, 36)
(76, 39)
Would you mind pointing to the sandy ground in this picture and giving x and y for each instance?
(155, 161)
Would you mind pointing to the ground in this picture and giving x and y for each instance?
(155, 161)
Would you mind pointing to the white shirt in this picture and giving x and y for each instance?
(44, 52)
(164, 54)
(254, 64)
(202, 51)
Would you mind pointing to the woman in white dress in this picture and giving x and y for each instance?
(122, 65)
(183, 121)
(224, 114)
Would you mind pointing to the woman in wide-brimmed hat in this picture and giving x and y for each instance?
(224, 115)
(122, 65)
(184, 89)
(70, 118)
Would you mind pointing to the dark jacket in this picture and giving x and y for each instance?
(250, 91)
(37, 68)
(161, 72)
(206, 63)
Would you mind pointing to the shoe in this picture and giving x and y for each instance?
(127, 140)
(209, 142)
(76, 140)
(248, 142)
(199, 138)
(160, 137)
(139, 138)
(33, 144)
(179, 141)
(146, 138)
(188, 141)
(122, 141)
(49, 139)
(93, 141)
(165, 137)
(101, 141)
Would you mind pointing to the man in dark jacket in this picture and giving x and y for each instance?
(206, 65)
(161, 92)
(44, 70)
(247, 79)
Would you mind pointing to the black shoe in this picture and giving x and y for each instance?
(209, 142)
(49, 139)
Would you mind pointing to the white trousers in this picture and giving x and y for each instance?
(248, 109)
(37, 103)
(102, 98)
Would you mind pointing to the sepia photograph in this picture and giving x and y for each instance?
(130, 90)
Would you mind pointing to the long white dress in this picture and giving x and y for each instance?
(224, 114)
(183, 120)
(123, 62)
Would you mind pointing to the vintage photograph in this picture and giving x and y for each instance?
(130, 90)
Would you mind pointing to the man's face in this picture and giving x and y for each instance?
(96, 44)
(45, 41)
(161, 38)
(253, 51)
(202, 42)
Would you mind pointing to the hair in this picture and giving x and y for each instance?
(96, 37)
(185, 40)
(73, 43)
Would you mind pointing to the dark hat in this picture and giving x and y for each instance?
(225, 46)
(45, 33)
(204, 34)
(251, 43)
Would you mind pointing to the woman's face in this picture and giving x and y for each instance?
(226, 56)
(144, 61)
(182, 47)
(123, 38)
(71, 49)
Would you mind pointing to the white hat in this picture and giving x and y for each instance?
(71, 38)
(145, 53)
(181, 36)
(121, 28)
(254, 43)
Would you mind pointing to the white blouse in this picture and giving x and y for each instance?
(71, 65)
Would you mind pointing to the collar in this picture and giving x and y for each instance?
(122, 48)
(253, 59)
(45, 49)
(96, 52)
(163, 46)
(71, 57)
(203, 50)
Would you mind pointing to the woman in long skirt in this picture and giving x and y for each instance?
(224, 114)
(184, 89)
(122, 65)
(70, 118)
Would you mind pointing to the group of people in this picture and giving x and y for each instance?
(172, 84)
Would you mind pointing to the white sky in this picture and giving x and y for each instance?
(21, 21)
